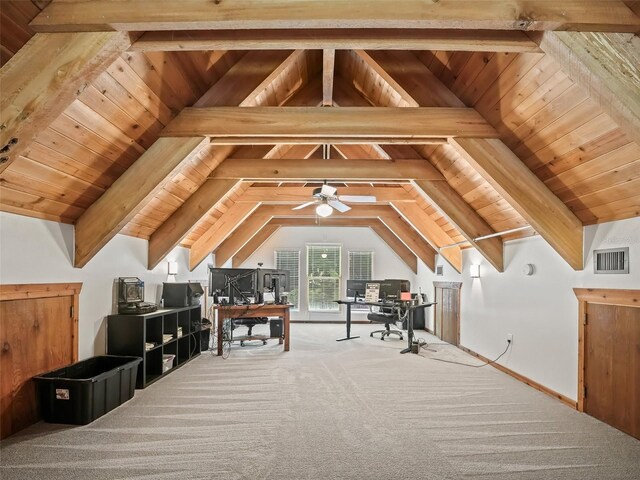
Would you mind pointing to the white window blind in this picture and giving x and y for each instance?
(360, 265)
(360, 268)
(323, 274)
(290, 260)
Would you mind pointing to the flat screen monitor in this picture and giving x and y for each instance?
(357, 288)
(235, 283)
(268, 276)
(390, 289)
(181, 294)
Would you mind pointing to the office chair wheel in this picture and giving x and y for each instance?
(264, 342)
(371, 335)
(242, 344)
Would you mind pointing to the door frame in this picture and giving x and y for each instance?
(603, 296)
(447, 286)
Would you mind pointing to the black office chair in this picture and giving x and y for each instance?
(250, 323)
(387, 316)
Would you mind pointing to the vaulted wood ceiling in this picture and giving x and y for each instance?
(474, 132)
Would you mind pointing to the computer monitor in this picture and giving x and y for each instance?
(238, 284)
(273, 281)
(357, 288)
(390, 289)
(181, 294)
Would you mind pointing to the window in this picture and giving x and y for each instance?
(323, 274)
(360, 268)
(290, 260)
(360, 265)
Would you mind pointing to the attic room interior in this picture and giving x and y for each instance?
(199, 199)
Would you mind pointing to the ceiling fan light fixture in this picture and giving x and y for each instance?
(324, 210)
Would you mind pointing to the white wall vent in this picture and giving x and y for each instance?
(611, 260)
(439, 270)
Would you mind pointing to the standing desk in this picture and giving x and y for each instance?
(253, 311)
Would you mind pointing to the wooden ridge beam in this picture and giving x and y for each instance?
(431, 231)
(334, 169)
(328, 69)
(284, 194)
(252, 245)
(277, 122)
(607, 67)
(129, 193)
(135, 15)
(44, 77)
(528, 195)
(218, 232)
(321, 39)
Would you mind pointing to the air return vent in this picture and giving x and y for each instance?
(439, 270)
(611, 260)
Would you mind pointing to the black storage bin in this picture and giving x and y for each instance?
(81, 392)
(275, 327)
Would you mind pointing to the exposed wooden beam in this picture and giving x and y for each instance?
(244, 81)
(240, 236)
(252, 245)
(321, 39)
(357, 211)
(44, 77)
(465, 219)
(396, 245)
(526, 193)
(342, 122)
(129, 193)
(431, 231)
(442, 195)
(328, 63)
(288, 169)
(326, 140)
(290, 195)
(411, 239)
(135, 15)
(218, 232)
(607, 66)
(182, 221)
(322, 222)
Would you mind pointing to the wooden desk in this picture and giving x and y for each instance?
(253, 311)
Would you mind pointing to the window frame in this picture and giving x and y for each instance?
(309, 246)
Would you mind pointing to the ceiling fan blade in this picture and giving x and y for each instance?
(357, 198)
(341, 207)
(304, 205)
(328, 191)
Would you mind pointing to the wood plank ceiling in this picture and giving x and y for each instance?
(551, 123)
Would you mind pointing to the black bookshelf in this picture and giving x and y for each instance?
(128, 335)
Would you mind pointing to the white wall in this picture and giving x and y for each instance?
(386, 264)
(541, 311)
(39, 251)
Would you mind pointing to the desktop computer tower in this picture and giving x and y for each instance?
(275, 327)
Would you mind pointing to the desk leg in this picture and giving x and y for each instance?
(220, 322)
(348, 337)
(286, 321)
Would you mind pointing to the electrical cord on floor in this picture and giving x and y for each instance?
(476, 366)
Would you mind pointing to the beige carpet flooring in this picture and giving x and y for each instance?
(329, 410)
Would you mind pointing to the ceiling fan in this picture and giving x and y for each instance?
(326, 200)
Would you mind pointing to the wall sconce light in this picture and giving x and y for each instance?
(173, 268)
(474, 271)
